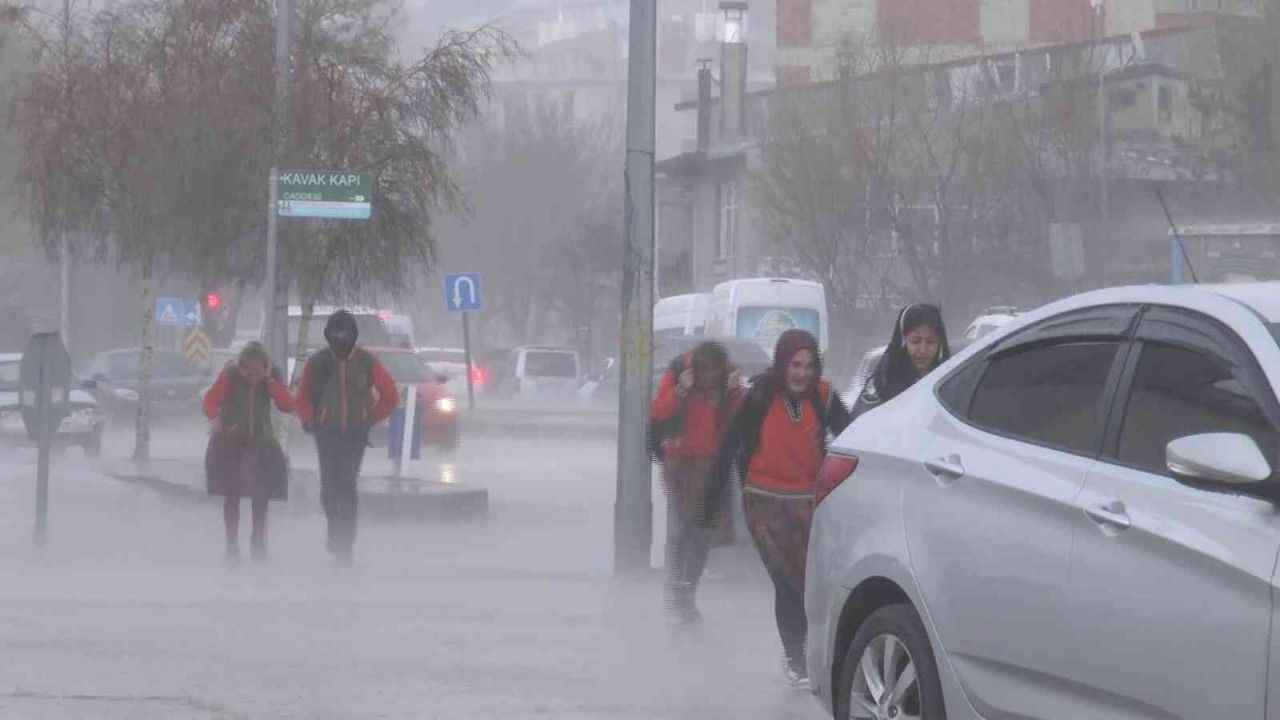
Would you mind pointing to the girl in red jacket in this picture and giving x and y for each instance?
(690, 415)
(244, 459)
(777, 442)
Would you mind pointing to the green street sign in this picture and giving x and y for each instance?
(336, 195)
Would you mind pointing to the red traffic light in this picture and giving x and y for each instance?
(213, 301)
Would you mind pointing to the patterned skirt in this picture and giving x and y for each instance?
(779, 526)
(236, 467)
(688, 481)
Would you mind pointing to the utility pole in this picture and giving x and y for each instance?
(633, 509)
(64, 242)
(1103, 241)
(276, 297)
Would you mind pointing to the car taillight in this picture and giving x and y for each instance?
(835, 469)
(478, 376)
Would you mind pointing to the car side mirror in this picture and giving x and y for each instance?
(1222, 458)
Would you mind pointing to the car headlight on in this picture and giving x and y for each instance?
(446, 405)
(126, 394)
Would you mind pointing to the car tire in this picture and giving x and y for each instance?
(895, 629)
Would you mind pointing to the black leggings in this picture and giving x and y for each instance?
(231, 520)
(341, 454)
(780, 529)
(793, 626)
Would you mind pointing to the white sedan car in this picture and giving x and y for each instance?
(1076, 517)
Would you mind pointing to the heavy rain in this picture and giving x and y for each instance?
(670, 359)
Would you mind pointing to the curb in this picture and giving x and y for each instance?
(379, 496)
(541, 424)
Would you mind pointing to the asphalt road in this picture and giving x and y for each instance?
(131, 611)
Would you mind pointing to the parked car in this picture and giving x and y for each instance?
(1074, 517)
(437, 408)
(452, 363)
(175, 385)
(990, 320)
(83, 426)
(543, 372)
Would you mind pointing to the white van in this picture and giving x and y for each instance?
(680, 315)
(400, 328)
(547, 372)
(761, 309)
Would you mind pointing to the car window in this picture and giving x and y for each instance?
(1048, 394)
(1179, 392)
(550, 364)
(403, 367)
(124, 366)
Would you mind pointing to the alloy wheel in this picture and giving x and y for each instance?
(885, 686)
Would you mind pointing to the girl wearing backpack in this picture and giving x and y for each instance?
(690, 413)
(777, 441)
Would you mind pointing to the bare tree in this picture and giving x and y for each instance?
(544, 187)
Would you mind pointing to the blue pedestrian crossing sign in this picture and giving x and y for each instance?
(178, 312)
(462, 292)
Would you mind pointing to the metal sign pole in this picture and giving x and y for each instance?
(45, 414)
(466, 349)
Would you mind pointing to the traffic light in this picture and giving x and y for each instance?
(216, 323)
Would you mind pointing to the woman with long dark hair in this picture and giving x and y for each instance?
(777, 442)
(918, 346)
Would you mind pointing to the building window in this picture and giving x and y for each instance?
(730, 201)
(1164, 105)
(1122, 98)
(795, 23)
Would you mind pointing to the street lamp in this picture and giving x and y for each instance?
(733, 22)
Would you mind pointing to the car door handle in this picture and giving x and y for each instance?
(1111, 514)
(945, 468)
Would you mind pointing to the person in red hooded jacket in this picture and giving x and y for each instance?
(244, 458)
(690, 414)
(777, 441)
(343, 393)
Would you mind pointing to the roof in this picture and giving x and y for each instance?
(961, 62)
(1256, 228)
(547, 348)
(1264, 297)
(1251, 300)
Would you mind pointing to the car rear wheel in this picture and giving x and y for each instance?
(889, 672)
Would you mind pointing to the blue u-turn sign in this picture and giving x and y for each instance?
(462, 292)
